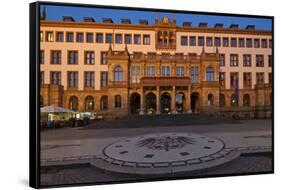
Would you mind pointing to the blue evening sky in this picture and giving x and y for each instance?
(55, 13)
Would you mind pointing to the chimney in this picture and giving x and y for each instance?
(218, 25)
(68, 19)
(250, 27)
(107, 20)
(186, 24)
(203, 25)
(143, 21)
(89, 19)
(125, 21)
(234, 26)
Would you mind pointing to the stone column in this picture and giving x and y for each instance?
(173, 106)
(141, 102)
(158, 104)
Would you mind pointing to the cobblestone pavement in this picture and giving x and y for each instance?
(88, 174)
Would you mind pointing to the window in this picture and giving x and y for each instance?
(150, 71)
(192, 41)
(135, 74)
(42, 77)
(264, 43)
(99, 38)
(247, 60)
(128, 38)
(233, 42)
(146, 39)
(248, 42)
(184, 40)
(137, 39)
(55, 77)
(69, 36)
(200, 41)
(241, 42)
(89, 80)
(234, 100)
(234, 80)
(222, 78)
(103, 79)
(118, 38)
(104, 103)
(103, 58)
(234, 60)
(41, 101)
(41, 36)
(79, 37)
(89, 57)
(222, 59)
(108, 38)
(89, 103)
(260, 78)
(194, 74)
(55, 57)
(246, 100)
(256, 43)
(259, 61)
(72, 79)
(42, 57)
(180, 71)
(209, 41)
(217, 41)
(59, 36)
(247, 80)
(49, 36)
(118, 73)
(225, 42)
(210, 74)
(73, 57)
(270, 60)
(89, 37)
(270, 78)
(165, 71)
(270, 43)
(222, 100)
(117, 102)
(73, 103)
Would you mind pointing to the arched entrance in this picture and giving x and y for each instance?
(194, 102)
(150, 102)
(180, 99)
(165, 103)
(135, 103)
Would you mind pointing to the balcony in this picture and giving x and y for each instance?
(165, 81)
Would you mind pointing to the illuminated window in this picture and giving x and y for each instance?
(89, 57)
(49, 36)
(89, 103)
(234, 60)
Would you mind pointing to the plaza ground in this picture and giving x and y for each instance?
(59, 144)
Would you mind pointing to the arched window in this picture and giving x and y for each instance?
(73, 103)
(210, 74)
(41, 101)
(210, 99)
(246, 100)
(234, 100)
(118, 73)
(103, 103)
(222, 100)
(89, 103)
(118, 101)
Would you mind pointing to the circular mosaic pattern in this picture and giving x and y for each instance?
(163, 148)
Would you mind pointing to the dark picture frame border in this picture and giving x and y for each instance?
(34, 92)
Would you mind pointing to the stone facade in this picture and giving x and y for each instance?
(168, 80)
